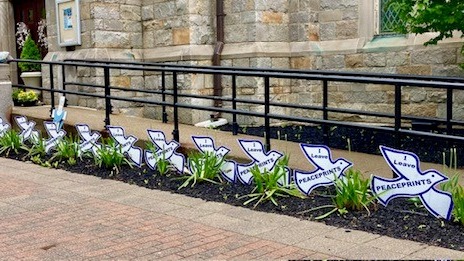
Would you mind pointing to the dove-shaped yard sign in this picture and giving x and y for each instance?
(27, 129)
(89, 140)
(206, 144)
(255, 150)
(412, 182)
(127, 144)
(54, 134)
(164, 149)
(4, 127)
(326, 168)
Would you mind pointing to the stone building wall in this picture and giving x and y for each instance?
(296, 34)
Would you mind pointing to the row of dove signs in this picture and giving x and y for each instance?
(411, 181)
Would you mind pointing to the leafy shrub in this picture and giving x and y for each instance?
(30, 52)
(27, 96)
(457, 193)
(205, 167)
(11, 141)
(110, 155)
(267, 186)
(37, 149)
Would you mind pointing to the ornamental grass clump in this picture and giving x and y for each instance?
(110, 156)
(204, 167)
(267, 186)
(11, 142)
(457, 193)
(162, 164)
(67, 150)
(37, 150)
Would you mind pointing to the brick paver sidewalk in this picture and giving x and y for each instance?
(48, 214)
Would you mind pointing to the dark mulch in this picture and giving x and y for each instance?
(401, 219)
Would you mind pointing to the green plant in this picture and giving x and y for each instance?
(110, 155)
(27, 96)
(30, 52)
(458, 199)
(267, 186)
(204, 167)
(68, 150)
(162, 164)
(37, 149)
(11, 141)
(352, 192)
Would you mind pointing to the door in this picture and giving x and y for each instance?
(30, 12)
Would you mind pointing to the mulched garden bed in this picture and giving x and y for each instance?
(401, 219)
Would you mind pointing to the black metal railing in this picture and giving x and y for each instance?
(166, 71)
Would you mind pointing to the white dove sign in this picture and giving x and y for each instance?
(4, 127)
(255, 150)
(27, 129)
(54, 134)
(127, 144)
(326, 168)
(89, 140)
(164, 149)
(412, 182)
(206, 144)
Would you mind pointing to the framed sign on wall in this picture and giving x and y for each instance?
(68, 22)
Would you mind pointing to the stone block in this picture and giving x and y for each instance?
(327, 31)
(354, 60)
(104, 11)
(165, 10)
(397, 58)
(347, 29)
(375, 60)
(333, 62)
(113, 25)
(132, 26)
(131, 12)
(272, 17)
(162, 37)
(330, 16)
(148, 13)
(181, 36)
(300, 63)
(283, 63)
(415, 69)
(110, 39)
(434, 56)
(313, 32)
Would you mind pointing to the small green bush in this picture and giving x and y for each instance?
(10, 142)
(68, 150)
(30, 52)
(205, 167)
(110, 156)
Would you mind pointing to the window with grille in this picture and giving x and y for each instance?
(388, 18)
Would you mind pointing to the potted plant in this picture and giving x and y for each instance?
(31, 72)
(25, 98)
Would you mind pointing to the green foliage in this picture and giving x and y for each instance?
(30, 52)
(162, 164)
(205, 167)
(27, 96)
(38, 160)
(458, 199)
(421, 16)
(10, 141)
(68, 150)
(352, 192)
(110, 155)
(37, 149)
(267, 186)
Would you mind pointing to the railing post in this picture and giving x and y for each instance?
(449, 110)
(234, 105)
(325, 113)
(52, 90)
(267, 125)
(175, 132)
(108, 107)
(63, 77)
(397, 115)
(163, 93)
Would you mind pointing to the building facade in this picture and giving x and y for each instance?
(297, 34)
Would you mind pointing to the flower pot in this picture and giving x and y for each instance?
(32, 79)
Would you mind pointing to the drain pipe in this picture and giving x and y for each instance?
(217, 80)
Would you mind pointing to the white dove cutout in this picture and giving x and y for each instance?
(27, 129)
(4, 127)
(206, 144)
(89, 139)
(255, 150)
(326, 168)
(412, 182)
(127, 144)
(164, 149)
(54, 134)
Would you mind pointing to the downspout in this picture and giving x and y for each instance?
(217, 78)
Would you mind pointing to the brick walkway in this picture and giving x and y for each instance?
(50, 214)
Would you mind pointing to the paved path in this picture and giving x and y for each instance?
(48, 214)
